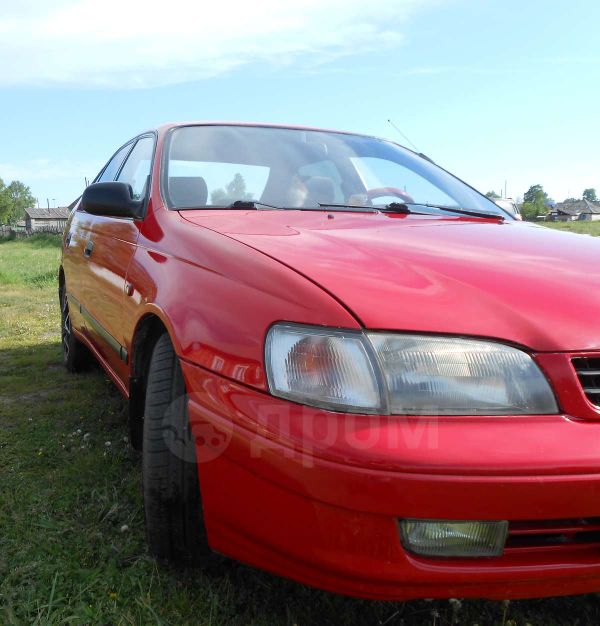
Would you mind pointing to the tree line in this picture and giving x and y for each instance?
(14, 199)
(537, 202)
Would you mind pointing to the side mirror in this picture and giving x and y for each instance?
(111, 199)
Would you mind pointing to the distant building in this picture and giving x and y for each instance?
(46, 219)
(574, 210)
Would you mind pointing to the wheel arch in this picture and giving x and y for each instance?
(150, 326)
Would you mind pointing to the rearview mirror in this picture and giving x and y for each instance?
(111, 199)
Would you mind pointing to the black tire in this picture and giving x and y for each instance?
(172, 502)
(76, 357)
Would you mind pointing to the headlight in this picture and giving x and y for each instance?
(450, 376)
(403, 374)
(322, 367)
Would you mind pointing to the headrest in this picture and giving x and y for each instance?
(188, 191)
(320, 189)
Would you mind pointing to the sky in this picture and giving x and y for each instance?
(493, 90)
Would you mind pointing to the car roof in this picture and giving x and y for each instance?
(170, 125)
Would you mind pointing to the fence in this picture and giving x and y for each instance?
(22, 231)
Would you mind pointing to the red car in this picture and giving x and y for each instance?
(343, 364)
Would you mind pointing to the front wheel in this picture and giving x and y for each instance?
(172, 503)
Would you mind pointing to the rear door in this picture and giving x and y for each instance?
(110, 248)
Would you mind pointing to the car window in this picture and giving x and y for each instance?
(225, 182)
(110, 171)
(137, 167)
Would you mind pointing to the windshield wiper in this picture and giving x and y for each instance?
(404, 208)
(238, 204)
(394, 207)
(353, 208)
(251, 204)
(461, 211)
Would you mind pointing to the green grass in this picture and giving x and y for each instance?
(583, 228)
(29, 261)
(72, 546)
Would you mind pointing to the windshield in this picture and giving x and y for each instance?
(215, 166)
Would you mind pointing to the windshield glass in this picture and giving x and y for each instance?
(215, 166)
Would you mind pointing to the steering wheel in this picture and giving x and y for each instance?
(380, 192)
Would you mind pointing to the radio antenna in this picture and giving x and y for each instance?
(403, 135)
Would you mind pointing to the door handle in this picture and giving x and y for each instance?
(89, 248)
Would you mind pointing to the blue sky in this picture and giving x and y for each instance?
(490, 89)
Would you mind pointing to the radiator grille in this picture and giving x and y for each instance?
(588, 371)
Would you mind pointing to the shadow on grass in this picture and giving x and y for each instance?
(62, 477)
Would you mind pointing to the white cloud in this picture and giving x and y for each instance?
(142, 43)
(47, 170)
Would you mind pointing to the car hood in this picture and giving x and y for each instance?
(518, 282)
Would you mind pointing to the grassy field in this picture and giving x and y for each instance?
(72, 547)
(584, 228)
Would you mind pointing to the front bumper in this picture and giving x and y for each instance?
(316, 496)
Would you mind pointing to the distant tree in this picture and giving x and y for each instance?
(492, 195)
(590, 194)
(535, 202)
(14, 199)
(529, 211)
(4, 208)
(234, 190)
(20, 199)
(535, 193)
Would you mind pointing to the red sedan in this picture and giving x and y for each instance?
(343, 364)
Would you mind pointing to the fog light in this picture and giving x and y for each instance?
(443, 538)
